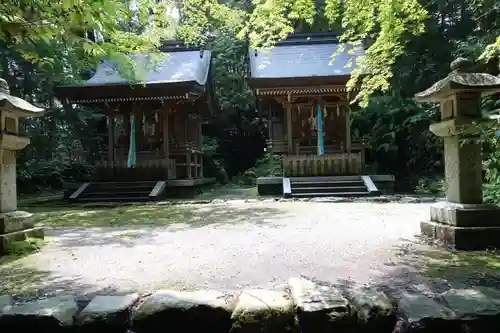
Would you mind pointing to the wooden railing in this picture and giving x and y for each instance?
(145, 169)
(277, 146)
(324, 165)
(186, 161)
(281, 146)
(182, 147)
(189, 159)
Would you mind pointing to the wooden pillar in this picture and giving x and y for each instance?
(320, 140)
(139, 136)
(126, 123)
(289, 130)
(166, 143)
(270, 129)
(348, 138)
(200, 144)
(111, 138)
(188, 149)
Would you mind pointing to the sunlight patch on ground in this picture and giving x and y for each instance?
(151, 215)
(451, 265)
(229, 191)
(18, 276)
(143, 215)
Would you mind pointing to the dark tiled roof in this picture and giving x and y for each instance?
(306, 58)
(178, 66)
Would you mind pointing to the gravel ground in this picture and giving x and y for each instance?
(257, 244)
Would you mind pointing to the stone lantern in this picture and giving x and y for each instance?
(463, 220)
(14, 224)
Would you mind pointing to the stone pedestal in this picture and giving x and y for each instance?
(17, 226)
(463, 221)
(14, 225)
(464, 227)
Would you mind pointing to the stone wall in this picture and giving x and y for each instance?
(300, 306)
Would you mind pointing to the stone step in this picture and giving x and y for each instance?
(330, 194)
(121, 188)
(121, 194)
(323, 179)
(320, 189)
(146, 182)
(123, 185)
(117, 192)
(328, 184)
(114, 199)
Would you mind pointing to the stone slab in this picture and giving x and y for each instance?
(263, 311)
(382, 178)
(5, 303)
(320, 308)
(16, 221)
(269, 180)
(465, 215)
(107, 313)
(189, 311)
(374, 310)
(472, 303)
(21, 235)
(420, 313)
(468, 239)
(478, 308)
(47, 315)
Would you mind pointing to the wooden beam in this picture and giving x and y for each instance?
(188, 152)
(299, 87)
(111, 137)
(289, 130)
(79, 191)
(270, 125)
(165, 116)
(348, 142)
(200, 145)
(158, 189)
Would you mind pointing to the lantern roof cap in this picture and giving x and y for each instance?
(16, 104)
(460, 80)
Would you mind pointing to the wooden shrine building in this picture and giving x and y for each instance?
(300, 85)
(154, 136)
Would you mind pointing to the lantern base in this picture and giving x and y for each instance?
(17, 226)
(464, 226)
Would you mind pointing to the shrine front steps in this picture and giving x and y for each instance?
(116, 192)
(334, 186)
(300, 306)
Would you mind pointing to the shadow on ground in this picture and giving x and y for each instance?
(25, 282)
(98, 230)
(150, 215)
(429, 268)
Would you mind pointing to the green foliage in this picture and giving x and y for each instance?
(229, 60)
(492, 165)
(431, 185)
(268, 166)
(213, 165)
(386, 23)
(388, 26)
(84, 31)
(24, 247)
(210, 146)
(396, 130)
